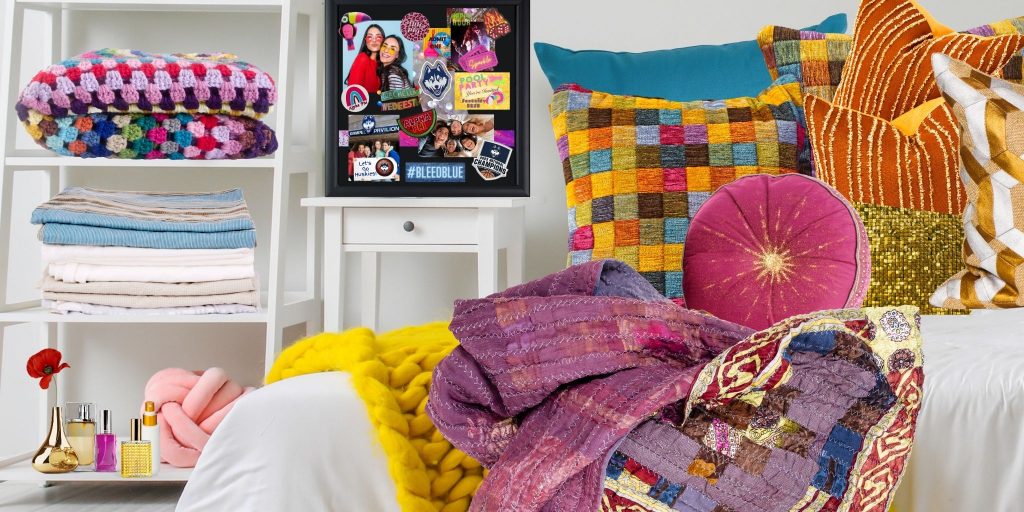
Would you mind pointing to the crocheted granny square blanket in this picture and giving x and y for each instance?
(178, 136)
(118, 80)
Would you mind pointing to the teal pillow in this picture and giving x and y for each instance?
(682, 74)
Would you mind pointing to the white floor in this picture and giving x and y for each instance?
(87, 497)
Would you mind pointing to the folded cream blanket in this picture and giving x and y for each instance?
(85, 273)
(251, 298)
(50, 284)
(93, 309)
(137, 256)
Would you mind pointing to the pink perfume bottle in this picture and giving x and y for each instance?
(106, 444)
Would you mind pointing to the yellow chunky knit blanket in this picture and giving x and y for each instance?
(391, 373)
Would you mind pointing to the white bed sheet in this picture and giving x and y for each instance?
(306, 443)
(969, 450)
(303, 443)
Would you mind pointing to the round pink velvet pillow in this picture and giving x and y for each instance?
(765, 248)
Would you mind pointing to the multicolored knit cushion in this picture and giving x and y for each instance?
(117, 80)
(151, 136)
(817, 413)
(816, 59)
(636, 169)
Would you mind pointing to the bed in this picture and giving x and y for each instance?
(306, 443)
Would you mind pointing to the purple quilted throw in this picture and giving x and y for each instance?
(586, 390)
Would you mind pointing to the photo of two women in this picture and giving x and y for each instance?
(382, 61)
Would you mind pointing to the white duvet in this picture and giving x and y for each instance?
(306, 443)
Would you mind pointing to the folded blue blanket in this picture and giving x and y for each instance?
(147, 211)
(73, 234)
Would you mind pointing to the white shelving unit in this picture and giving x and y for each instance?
(301, 42)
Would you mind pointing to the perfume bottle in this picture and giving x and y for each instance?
(82, 434)
(136, 454)
(151, 433)
(106, 444)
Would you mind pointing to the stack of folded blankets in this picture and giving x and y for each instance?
(130, 104)
(148, 253)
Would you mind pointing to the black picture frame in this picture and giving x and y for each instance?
(513, 57)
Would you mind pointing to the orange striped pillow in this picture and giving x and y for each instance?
(888, 71)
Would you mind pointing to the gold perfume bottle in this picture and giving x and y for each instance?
(136, 454)
(82, 434)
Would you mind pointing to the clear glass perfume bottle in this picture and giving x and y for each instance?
(136, 454)
(106, 444)
(82, 434)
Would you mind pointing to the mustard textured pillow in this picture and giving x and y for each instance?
(990, 112)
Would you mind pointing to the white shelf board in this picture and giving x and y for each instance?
(39, 314)
(414, 202)
(39, 162)
(256, 6)
(22, 471)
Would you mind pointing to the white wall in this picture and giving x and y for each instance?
(110, 364)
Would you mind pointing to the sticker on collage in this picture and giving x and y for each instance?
(347, 30)
(435, 172)
(497, 25)
(373, 148)
(478, 59)
(438, 43)
(435, 80)
(483, 91)
(355, 98)
(469, 34)
(492, 162)
(399, 99)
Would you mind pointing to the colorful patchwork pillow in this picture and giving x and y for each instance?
(132, 81)
(151, 136)
(815, 414)
(636, 169)
(816, 59)
(765, 248)
(990, 112)
(679, 74)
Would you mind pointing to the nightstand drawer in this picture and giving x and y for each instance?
(387, 226)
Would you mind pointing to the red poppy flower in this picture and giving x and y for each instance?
(44, 365)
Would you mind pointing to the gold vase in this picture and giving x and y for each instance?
(56, 454)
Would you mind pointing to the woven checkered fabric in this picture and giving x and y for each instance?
(816, 59)
(129, 81)
(827, 425)
(636, 169)
(990, 113)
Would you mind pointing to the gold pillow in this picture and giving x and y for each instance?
(990, 112)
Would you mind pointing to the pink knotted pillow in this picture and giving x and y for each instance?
(765, 248)
(189, 407)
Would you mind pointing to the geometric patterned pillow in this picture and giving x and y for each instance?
(816, 59)
(990, 112)
(636, 169)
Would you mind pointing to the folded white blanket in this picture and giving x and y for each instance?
(135, 256)
(133, 288)
(155, 301)
(85, 273)
(92, 309)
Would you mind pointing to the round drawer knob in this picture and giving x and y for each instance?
(408, 226)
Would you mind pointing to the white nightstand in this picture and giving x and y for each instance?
(372, 225)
